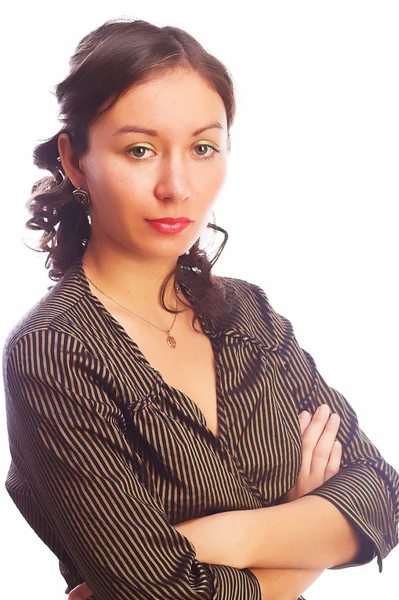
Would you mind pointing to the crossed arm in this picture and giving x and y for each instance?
(287, 546)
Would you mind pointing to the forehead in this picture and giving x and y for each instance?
(178, 101)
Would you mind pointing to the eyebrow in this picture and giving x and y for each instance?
(154, 133)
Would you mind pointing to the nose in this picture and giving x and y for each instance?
(172, 183)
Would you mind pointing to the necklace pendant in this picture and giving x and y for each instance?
(170, 340)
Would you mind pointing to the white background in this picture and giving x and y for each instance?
(310, 201)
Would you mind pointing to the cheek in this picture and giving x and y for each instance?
(212, 172)
(112, 180)
(221, 172)
(215, 181)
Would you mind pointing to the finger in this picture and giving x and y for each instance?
(334, 463)
(304, 419)
(312, 435)
(322, 451)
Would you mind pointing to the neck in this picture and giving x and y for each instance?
(133, 282)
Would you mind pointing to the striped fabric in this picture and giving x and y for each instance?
(107, 457)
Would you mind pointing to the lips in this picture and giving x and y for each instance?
(169, 224)
(171, 220)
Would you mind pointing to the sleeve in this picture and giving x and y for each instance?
(366, 489)
(66, 436)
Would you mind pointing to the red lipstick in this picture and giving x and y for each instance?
(169, 224)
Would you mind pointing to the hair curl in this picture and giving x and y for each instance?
(107, 62)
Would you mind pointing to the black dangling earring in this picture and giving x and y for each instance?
(82, 197)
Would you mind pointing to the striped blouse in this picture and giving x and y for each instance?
(107, 457)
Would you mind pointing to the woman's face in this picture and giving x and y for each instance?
(175, 172)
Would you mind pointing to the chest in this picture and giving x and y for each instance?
(189, 367)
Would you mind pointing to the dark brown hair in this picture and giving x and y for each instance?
(107, 62)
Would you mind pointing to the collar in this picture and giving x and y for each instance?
(239, 325)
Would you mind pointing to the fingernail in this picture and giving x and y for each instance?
(324, 409)
(304, 414)
(334, 418)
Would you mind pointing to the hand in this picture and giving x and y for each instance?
(321, 452)
(81, 592)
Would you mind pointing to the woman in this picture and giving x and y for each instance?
(177, 469)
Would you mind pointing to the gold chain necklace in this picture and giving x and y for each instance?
(170, 340)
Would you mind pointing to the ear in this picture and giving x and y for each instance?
(70, 163)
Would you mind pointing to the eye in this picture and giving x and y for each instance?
(138, 152)
(139, 148)
(215, 150)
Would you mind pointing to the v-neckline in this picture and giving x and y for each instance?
(208, 330)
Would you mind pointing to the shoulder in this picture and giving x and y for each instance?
(56, 311)
(247, 296)
(251, 312)
(254, 313)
